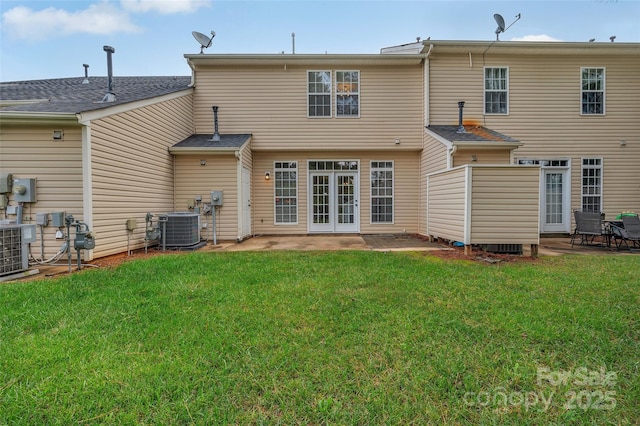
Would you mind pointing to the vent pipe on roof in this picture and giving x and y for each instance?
(86, 74)
(216, 135)
(110, 96)
(460, 125)
(293, 43)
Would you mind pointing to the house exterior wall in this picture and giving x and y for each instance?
(193, 179)
(433, 157)
(545, 110)
(270, 102)
(132, 171)
(483, 156)
(30, 152)
(406, 190)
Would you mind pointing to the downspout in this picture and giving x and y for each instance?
(450, 153)
(426, 82)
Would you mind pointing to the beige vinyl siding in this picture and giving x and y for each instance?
(544, 113)
(485, 204)
(432, 158)
(132, 170)
(446, 192)
(57, 167)
(271, 103)
(505, 205)
(221, 174)
(406, 187)
(483, 156)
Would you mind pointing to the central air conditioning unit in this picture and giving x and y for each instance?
(14, 247)
(182, 229)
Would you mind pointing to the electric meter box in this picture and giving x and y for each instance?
(216, 198)
(6, 182)
(42, 219)
(24, 190)
(57, 219)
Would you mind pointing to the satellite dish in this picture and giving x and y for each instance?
(204, 40)
(500, 21)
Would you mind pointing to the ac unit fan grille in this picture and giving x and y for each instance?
(182, 229)
(13, 254)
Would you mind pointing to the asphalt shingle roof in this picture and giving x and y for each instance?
(69, 95)
(472, 134)
(204, 141)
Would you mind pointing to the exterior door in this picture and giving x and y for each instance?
(246, 202)
(555, 211)
(333, 202)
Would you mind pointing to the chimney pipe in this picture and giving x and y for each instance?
(460, 125)
(86, 74)
(293, 43)
(110, 96)
(216, 135)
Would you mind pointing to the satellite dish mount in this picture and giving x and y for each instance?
(500, 21)
(205, 41)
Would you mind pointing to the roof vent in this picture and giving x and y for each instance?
(460, 126)
(216, 135)
(110, 96)
(86, 74)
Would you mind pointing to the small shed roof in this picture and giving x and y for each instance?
(473, 136)
(206, 143)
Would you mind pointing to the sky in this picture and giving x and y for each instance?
(53, 39)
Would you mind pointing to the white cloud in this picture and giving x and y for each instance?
(540, 37)
(164, 7)
(100, 18)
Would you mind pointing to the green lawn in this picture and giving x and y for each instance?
(325, 338)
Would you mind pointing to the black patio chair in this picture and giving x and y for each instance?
(588, 227)
(629, 234)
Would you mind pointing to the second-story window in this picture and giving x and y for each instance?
(592, 90)
(347, 93)
(319, 93)
(496, 90)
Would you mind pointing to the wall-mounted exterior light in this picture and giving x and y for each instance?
(203, 162)
(58, 135)
(474, 158)
(623, 143)
(267, 175)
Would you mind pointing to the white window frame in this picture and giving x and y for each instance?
(591, 190)
(276, 178)
(385, 168)
(350, 92)
(602, 90)
(310, 93)
(485, 90)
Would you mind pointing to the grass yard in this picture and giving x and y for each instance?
(325, 338)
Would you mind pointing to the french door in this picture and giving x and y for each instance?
(333, 201)
(555, 211)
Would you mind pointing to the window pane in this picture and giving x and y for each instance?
(381, 192)
(285, 192)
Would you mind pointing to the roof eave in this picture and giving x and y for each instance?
(487, 144)
(20, 117)
(301, 59)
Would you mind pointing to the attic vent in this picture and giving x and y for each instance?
(110, 96)
(460, 125)
(86, 74)
(216, 135)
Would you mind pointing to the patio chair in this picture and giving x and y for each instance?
(588, 227)
(629, 235)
